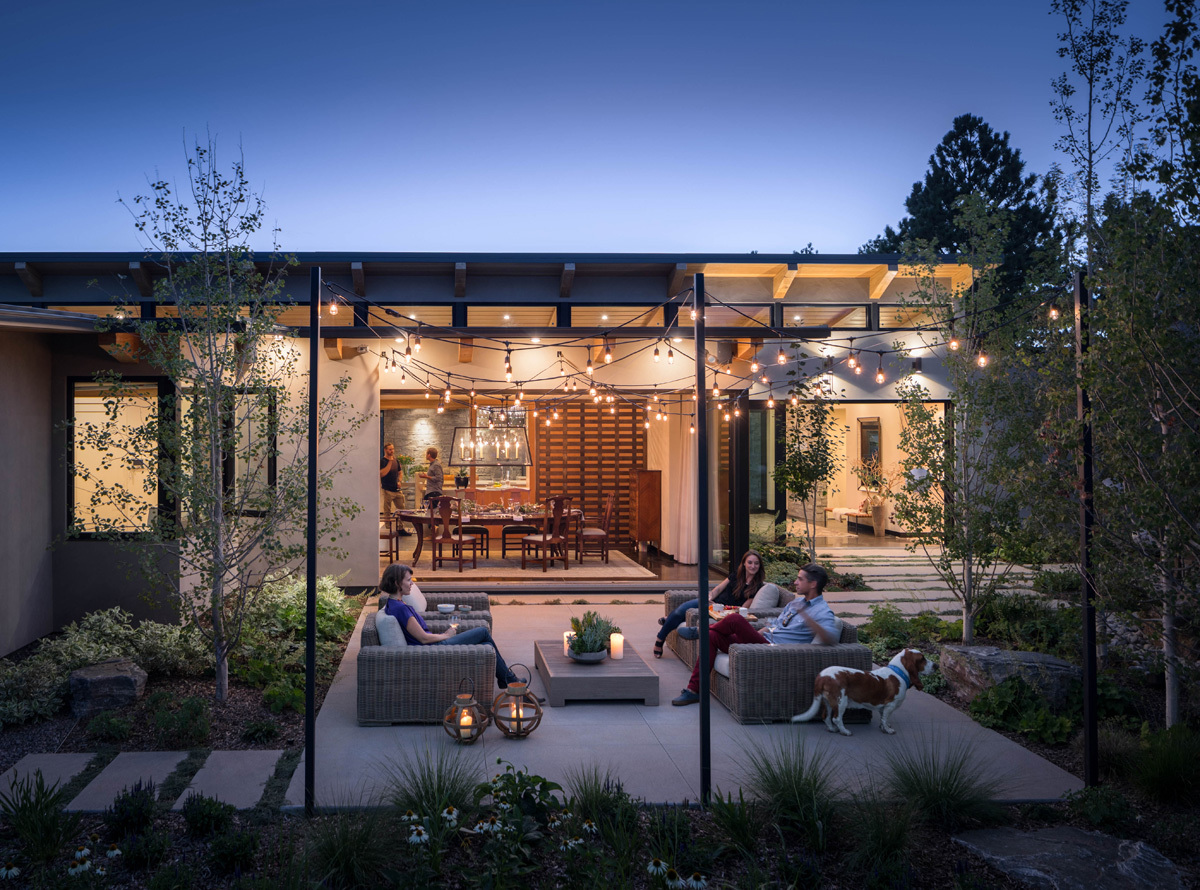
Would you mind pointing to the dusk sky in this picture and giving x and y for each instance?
(521, 126)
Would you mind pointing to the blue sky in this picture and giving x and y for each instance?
(520, 126)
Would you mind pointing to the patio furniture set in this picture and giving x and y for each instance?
(757, 683)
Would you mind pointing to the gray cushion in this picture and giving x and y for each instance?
(766, 598)
(415, 599)
(390, 634)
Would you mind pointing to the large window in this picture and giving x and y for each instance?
(247, 427)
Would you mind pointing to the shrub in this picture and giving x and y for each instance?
(781, 572)
(594, 794)
(34, 812)
(741, 822)
(1057, 584)
(944, 782)
(1169, 766)
(796, 785)
(348, 851)
(233, 850)
(171, 649)
(1100, 805)
(187, 726)
(1015, 706)
(847, 581)
(260, 731)
(177, 876)
(1031, 624)
(433, 780)
(880, 829)
(109, 726)
(132, 811)
(146, 849)
(206, 815)
(284, 694)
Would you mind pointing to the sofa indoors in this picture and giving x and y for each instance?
(761, 684)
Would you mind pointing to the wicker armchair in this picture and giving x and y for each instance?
(415, 684)
(760, 684)
(480, 608)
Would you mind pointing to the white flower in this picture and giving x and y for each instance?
(101, 871)
(674, 882)
(418, 835)
(113, 851)
(554, 821)
(657, 867)
(82, 852)
(450, 815)
(589, 826)
(490, 825)
(80, 867)
(410, 816)
(9, 870)
(697, 881)
(571, 844)
(503, 807)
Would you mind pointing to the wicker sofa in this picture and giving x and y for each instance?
(480, 608)
(416, 684)
(760, 684)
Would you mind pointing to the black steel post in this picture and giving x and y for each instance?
(739, 484)
(310, 613)
(1083, 410)
(702, 535)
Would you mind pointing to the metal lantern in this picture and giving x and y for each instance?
(465, 720)
(516, 709)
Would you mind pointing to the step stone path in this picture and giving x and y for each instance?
(236, 777)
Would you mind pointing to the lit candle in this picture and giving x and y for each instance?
(566, 638)
(465, 725)
(518, 712)
(616, 646)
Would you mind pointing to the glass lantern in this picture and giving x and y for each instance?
(465, 720)
(516, 709)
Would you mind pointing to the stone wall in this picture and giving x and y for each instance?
(412, 430)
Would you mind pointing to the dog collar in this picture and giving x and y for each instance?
(902, 674)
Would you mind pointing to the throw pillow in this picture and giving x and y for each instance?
(415, 599)
(721, 664)
(390, 634)
(766, 598)
(838, 623)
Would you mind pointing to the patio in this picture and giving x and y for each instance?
(654, 751)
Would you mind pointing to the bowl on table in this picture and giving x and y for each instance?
(464, 608)
(445, 608)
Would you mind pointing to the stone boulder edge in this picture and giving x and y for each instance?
(104, 686)
(1065, 858)
(971, 669)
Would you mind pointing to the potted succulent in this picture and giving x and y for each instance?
(462, 478)
(590, 641)
(878, 484)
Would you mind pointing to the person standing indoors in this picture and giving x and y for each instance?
(432, 476)
(391, 496)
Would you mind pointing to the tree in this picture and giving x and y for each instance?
(810, 457)
(226, 449)
(974, 159)
(961, 498)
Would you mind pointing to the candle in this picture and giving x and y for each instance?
(518, 712)
(616, 646)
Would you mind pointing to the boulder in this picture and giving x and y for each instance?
(1065, 858)
(971, 669)
(104, 686)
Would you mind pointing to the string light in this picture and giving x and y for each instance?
(953, 344)
(693, 315)
(656, 352)
(612, 410)
(607, 352)
(426, 390)
(754, 367)
(852, 359)
(982, 360)
(417, 343)
(507, 364)
(670, 356)
(880, 377)
(692, 425)
(858, 369)
(737, 412)
(408, 353)
(333, 306)
(592, 391)
(781, 359)
(441, 408)
(764, 379)
(1053, 312)
(647, 424)
(716, 391)
(795, 400)
(472, 389)
(590, 370)
(726, 416)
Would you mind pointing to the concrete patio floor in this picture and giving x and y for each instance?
(653, 751)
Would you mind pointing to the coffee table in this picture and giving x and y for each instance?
(627, 678)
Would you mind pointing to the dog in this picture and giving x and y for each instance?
(882, 690)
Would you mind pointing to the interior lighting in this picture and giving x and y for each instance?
(670, 356)
(656, 353)
(781, 359)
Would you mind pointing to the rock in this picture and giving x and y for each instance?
(104, 686)
(971, 669)
(1065, 858)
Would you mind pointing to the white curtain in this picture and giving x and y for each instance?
(683, 490)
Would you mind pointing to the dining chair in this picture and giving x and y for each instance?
(552, 541)
(445, 523)
(593, 539)
(387, 532)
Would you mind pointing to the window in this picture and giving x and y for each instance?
(249, 426)
(113, 483)
(869, 443)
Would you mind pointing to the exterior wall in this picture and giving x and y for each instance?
(26, 585)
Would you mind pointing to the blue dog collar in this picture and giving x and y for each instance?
(902, 674)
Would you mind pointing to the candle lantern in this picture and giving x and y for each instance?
(516, 709)
(465, 720)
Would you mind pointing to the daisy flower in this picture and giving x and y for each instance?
(657, 867)
(674, 882)
(9, 870)
(101, 871)
(697, 881)
(418, 835)
(113, 851)
(410, 816)
(80, 867)
(450, 815)
(82, 852)
(589, 826)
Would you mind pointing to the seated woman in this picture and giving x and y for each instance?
(747, 581)
(396, 582)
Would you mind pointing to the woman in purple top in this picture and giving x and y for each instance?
(396, 581)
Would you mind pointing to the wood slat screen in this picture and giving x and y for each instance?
(587, 453)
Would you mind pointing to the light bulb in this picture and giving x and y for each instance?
(953, 344)
(333, 307)
(1053, 313)
(982, 360)
(647, 424)
(726, 416)
(417, 344)
(656, 353)
(408, 354)
(612, 410)
(858, 368)
(426, 393)
(591, 391)
(607, 354)
(781, 358)
(589, 369)
(754, 367)
(770, 403)
(441, 408)
(692, 428)
(737, 412)
(763, 379)
(852, 361)
(716, 391)
(670, 356)
(693, 315)
(658, 415)
(879, 377)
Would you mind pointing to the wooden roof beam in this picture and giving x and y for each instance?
(880, 279)
(466, 350)
(460, 280)
(141, 277)
(783, 280)
(360, 279)
(124, 347)
(675, 282)
(748, 349)
(31, 277)
(567, 280)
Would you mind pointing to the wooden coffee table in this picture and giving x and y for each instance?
(565, 680)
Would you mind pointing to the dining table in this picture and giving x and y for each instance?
(421, 522)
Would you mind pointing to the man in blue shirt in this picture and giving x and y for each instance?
(806, 619)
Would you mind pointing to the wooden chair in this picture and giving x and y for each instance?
(388, 532)
(483, 534)
(552, 541)
(514, 534)
(595, 540)
(445, 525)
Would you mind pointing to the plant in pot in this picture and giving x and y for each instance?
(878, 484)
(590, 640)
(462, 478)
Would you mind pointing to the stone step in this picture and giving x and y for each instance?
(235, 777)
(124, 772)
(57, 769)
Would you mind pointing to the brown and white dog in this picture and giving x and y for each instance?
(882, 690)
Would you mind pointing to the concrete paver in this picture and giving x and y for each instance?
(124, 772)
(57, 769)
(235, 777)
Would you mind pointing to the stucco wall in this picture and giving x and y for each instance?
(26, 581)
